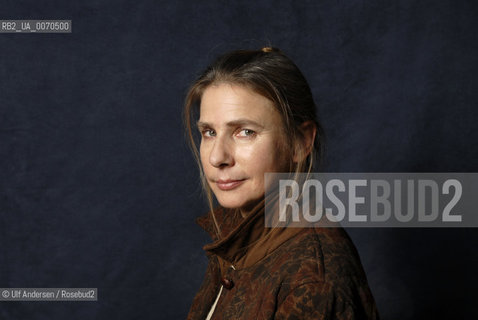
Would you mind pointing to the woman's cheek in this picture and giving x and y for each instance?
(245, 153)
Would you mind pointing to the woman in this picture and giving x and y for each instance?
(255, 113)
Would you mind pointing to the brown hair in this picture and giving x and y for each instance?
(270, 73)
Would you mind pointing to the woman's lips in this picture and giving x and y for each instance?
(226, 185)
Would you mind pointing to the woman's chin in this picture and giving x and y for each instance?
(244, 205)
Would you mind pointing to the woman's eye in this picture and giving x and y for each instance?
(209, 133)
(246, 133)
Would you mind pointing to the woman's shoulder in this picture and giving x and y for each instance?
(320, 254)
(325, 261)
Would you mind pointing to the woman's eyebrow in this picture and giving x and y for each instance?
(201, 124)
(244, 122)
(234, 123)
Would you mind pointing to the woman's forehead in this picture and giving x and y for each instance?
(230, 102)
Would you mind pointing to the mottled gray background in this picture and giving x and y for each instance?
(97, 186)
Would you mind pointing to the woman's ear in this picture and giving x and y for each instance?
(306, 142)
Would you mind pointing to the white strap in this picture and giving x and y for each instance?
(214, 305)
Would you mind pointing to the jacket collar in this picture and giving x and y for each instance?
(243, 241)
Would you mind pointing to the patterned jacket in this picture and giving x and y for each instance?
(280, 273)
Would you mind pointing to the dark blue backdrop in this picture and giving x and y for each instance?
(98, 188)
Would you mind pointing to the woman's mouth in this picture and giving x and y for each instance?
(226, 185)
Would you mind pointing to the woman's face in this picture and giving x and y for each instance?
(241, 140)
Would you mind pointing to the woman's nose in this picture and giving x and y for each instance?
(221, 154)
